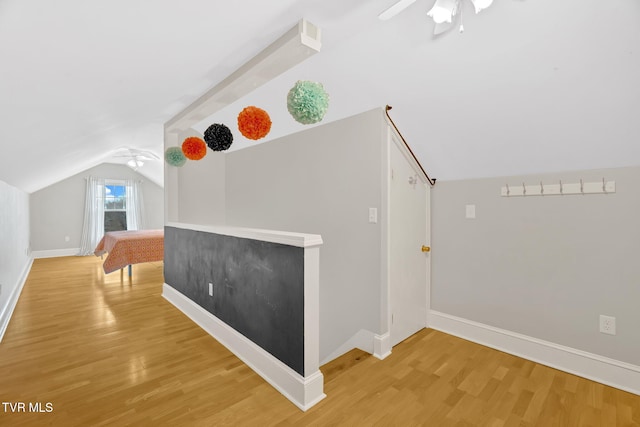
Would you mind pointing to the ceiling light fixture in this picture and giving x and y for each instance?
(481, 4)
(135, 163)
(395, 9)
(444, 11)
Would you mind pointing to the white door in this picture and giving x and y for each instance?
(409, 261)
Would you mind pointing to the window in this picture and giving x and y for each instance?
(115, 206)
(110, 205)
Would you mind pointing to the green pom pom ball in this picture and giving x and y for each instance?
(174, 156)
(307, 102)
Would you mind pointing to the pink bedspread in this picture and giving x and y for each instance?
(130, 247)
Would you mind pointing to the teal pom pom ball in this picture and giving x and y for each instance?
(174, 156)
(307, 102)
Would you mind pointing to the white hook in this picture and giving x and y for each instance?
(508, 191)
(524, 190)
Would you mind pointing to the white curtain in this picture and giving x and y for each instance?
(93, 227)
(135, 215)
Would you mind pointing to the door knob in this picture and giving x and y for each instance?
(426, 248)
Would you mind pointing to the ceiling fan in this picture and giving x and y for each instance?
(136, 157)
(443, 12)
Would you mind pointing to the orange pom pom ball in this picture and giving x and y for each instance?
(254, 123)
(194, 148)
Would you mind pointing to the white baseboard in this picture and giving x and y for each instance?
(382, 345)
(362, 340)
(304, 392)
(53, 253)
(614, 373)
(377, 345)
(7, 310)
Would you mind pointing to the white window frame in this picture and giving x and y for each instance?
(119, 183)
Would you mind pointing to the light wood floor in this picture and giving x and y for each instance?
(105, 352)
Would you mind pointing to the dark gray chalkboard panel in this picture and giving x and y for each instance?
(258, 287)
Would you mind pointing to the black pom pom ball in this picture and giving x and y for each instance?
(218, 137)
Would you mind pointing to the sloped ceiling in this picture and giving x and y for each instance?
(530, 86)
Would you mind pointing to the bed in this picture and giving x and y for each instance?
(129, 247)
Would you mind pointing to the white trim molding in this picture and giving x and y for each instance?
(377, 345)
(300, 240)
(12, 301)
(304, 392)
(382, 345)
(53, 253)
(611, 372)
(311, 311)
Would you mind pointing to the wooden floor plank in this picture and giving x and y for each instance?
(110, 352)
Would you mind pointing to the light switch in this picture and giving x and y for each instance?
(470, 211)
(373, 215)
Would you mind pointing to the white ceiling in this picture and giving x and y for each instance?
(530, 86)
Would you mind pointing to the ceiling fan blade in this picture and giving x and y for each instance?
(395, 9)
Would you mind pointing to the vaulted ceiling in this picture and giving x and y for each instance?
(530, 86)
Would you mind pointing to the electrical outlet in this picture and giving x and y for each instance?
(211, 289)
(607, 324)
(373, 215)
(470, 211)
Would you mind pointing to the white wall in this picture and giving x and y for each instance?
(545, 267)
(201, 188)
(58, 210)
(15, 259)
(322, 181)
